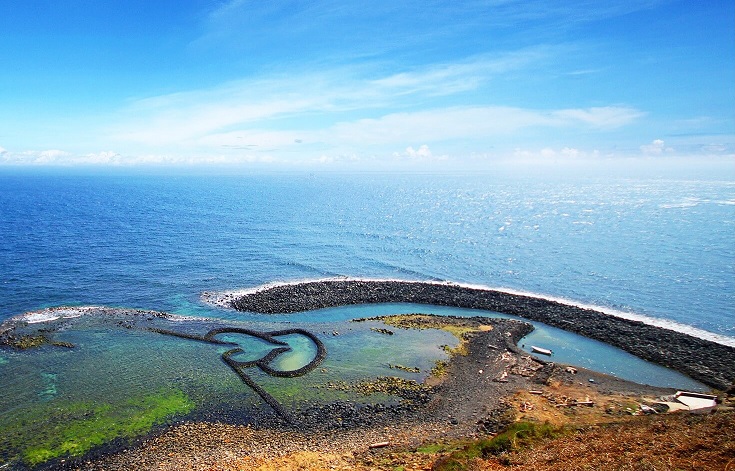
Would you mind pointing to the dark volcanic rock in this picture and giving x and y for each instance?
(706, 361)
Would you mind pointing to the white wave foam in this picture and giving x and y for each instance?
(38, 317)
(678, 205)
(653, 321)
(54, 313)
(67, 312)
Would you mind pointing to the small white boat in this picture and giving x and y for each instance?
(543, 351)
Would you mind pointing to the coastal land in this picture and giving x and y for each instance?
(542, 415)
(488, 388)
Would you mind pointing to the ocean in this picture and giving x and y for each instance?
(660, 250)
(663, 249)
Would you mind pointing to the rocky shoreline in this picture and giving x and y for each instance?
(708, 362)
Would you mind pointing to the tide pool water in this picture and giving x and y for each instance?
(126, 375)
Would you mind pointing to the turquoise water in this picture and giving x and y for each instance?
(110, 363)
(48, 390)
(568, 348)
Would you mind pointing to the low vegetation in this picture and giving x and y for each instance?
(647, 443)
(670, 442)
(517, 436)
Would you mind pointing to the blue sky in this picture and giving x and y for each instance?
(376, 85)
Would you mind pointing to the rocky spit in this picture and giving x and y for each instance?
(708, 362)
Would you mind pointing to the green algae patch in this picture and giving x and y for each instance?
(459, 327)
(27, 341)
(440, 369)
(82, 427)
(407, 369)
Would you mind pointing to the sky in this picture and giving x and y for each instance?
(374, 85)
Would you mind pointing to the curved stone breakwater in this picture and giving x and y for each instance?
(711, 363)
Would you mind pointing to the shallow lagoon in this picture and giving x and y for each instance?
(568, 348)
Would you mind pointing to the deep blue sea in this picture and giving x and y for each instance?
(658, 249)
(662, 248)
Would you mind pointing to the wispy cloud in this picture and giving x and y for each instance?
(341, 81)
(342, 111)
(433, 125)
(261, 105)
(32, 157)
(605, 117)
(360, 28)
(466, 74)
(422, 154)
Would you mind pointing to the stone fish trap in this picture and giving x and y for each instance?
(264, 363)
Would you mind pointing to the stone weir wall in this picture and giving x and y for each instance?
(711, 363)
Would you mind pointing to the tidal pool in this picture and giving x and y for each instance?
(129, 377)
(567, 347)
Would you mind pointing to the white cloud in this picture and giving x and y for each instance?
(468, 74)
(2, 150)
(111, 158)
(656, 147)
(60, 157)
(570, 152)
(471, 122)
(714, 148)
(107, 157)
(346, 111)
(52, 155)
(422, 154)
(186, 122)
(549, 153)
(607, 117)
(255, 139)
(43, 157)
(384, 25)
(334, 159)
(189, 118)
